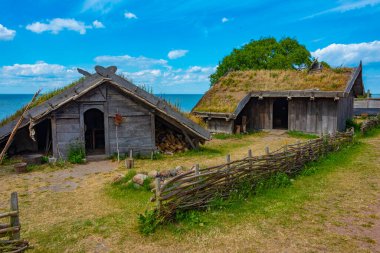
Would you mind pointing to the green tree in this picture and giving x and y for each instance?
(266, 53)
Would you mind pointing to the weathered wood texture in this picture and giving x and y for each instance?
(345, 111)
(369, 106)
(216, 125)
(313, 116)
(196, 189)
(135, 132)
(12, 230)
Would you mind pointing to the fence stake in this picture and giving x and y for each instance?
(228, 160)
(15, 222)
(197, 169)
(250, 158)
(267, 150)
(158, 193)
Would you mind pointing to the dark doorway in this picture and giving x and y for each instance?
(280, 113)
(94, 132)
(43, 136)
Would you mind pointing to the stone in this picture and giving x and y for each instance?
(165, 173)
(153, 174)
(118, 178)
(139, 179)
(173, 172)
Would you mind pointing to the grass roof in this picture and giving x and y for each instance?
(40, 99)
(225, 95)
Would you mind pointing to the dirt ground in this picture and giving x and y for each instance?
(69, 210)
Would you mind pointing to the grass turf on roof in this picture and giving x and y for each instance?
(40, 99)
(225, 95)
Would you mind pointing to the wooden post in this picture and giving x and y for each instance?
(197, 169)
(250, 158)
(267, 150)
(15, 221)
(158, 193)
(129, 162)
(228, 160)
(244, 124)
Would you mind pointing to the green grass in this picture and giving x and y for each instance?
(223, 136)
(299, 134)
(278, 196)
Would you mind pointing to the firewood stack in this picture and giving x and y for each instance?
(168, 141)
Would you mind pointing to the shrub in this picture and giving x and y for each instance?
(351, 123)
(76, 153)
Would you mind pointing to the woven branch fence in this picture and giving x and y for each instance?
(370, 124)
(196, 188)
(11, 230)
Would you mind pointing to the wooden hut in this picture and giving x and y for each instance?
(105, 113)
(313, 101)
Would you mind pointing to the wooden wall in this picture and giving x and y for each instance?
(313, 116)
(136, 131)
(345, 111)
(220, 125)
(370, 106)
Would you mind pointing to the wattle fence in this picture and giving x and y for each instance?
(11, 229)
(197, 188)
(370, 124)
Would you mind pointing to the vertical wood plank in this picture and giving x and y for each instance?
(15, 221)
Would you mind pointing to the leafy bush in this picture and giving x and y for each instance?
(265, 53)
(76, 153)
(351, 123)
(148, 222)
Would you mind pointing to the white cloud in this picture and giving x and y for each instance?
(58, 24)
(139, 62)
(174, 54)
(347, 6)
(349, 54)
(29, 77)
(225, 20)
(98, 24)
(6, 34)
(130, 15)
(103, 6)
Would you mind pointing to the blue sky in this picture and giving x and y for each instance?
(172, 46)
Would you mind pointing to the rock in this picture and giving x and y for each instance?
(169, 153)
(118, 178)
(139, 179)
(173, 172)
(153, 174)
(164, 173)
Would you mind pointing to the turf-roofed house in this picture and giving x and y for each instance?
(316, 100)
(104, 112)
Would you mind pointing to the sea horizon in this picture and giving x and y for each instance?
(11, 102)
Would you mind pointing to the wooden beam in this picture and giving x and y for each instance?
(13, 133)
(188, 139)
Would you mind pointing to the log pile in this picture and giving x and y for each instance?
(168, 141)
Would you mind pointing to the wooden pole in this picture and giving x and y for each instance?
(250, 158)
(15, 222)
(158, 193)
(267, 150)
(14, 131)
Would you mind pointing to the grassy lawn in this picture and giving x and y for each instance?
(333, 206)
